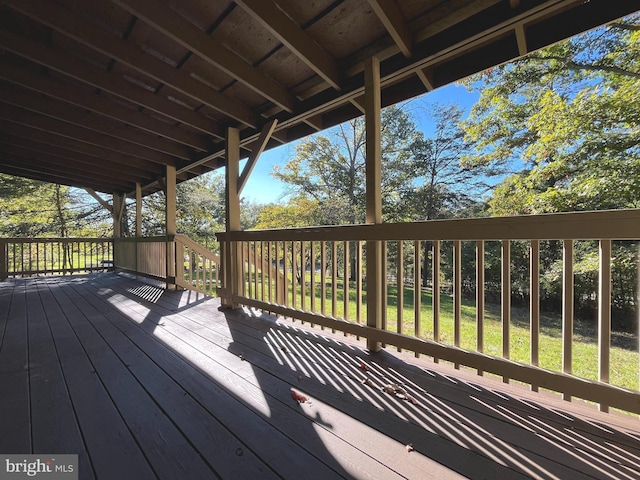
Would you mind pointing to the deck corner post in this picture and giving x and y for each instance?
(233, 272)
(170, 212)
(372, 101)
(4, 274)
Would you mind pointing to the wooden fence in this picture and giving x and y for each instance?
(308, 273)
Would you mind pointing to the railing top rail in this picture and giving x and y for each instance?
(54, 239)
(605, 224)
(195, 246)
(144, 239)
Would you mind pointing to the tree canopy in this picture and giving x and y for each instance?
(563, 123)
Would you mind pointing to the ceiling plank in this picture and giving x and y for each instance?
(90, 121)
(23, 117)
(16, 168)
(41, 54)
(68, 23)
(57, 170)
(392, 19)
(101, 105)
(39, 136)
(269, 14)
(65, 164)
(22, 146)
(161, 17)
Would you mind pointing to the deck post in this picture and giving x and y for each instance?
(374, 197)
(115, 210)
(233, 272)
(3, 260)
(170, 215)
(138, 209)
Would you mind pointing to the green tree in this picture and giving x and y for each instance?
(565, 123)
(331, 168)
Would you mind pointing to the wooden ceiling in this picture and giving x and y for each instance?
(104, 93)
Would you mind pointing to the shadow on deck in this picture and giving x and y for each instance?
(147, 383)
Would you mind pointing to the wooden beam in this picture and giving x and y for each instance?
(269, 14)
(101, 105)
(392, 19)
(138, 210)
(78, 177)
(23, 135)
(60, 111)
(32, 120)
(99, 199)
(265, 135)
(65, 158)
(426, 77)
(69, 23)
(521, 38)
(372, 103)
(233, 281)
(161, 17)
(315, 122)
(109, 82)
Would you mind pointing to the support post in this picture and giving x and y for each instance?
(233, 280)
(170, 214)
(138, 209)
(116, 213)
(374, 197)
(3, 260)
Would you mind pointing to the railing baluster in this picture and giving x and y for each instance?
(457, 292)
(604, 315)
(480, 298)
(312, 285)
(435, 296)
(417, 291)
(506, 300)
(567, 309)
(358, 281)
(534, 304)
(294, 273)
(345, 283)
(385, 289)
(323, 279)
(334, 281)
(400, 289)
(263, 270)
(286, 272)
(303, 276)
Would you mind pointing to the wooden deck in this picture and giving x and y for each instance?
(147, 383)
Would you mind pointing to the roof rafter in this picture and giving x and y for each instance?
(161, 17)
(40, 53)
(392, 19)
(23, 117)
(269, 14)
(101, 105)
(40, 136)
(68, 23)
(103, 125)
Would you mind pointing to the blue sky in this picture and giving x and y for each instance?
(261, 187)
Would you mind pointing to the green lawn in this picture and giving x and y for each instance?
(624, 361)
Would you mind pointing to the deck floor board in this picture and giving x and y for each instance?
(142, 382)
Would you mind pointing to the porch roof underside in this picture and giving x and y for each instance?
(105, 94)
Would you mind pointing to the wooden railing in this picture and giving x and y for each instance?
(176, 259)
(20, 257)
(200, 267)
(308, 273)
(143, 255)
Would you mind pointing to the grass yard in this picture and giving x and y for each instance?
(624, 351)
